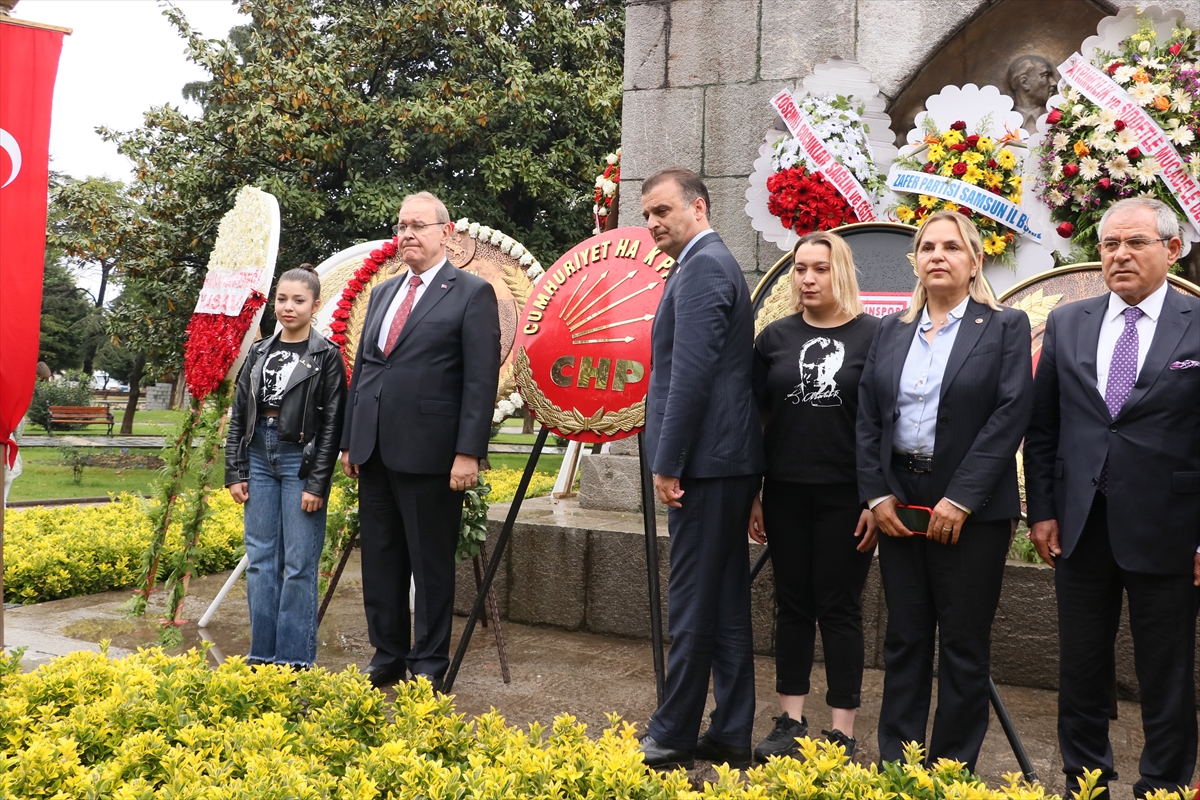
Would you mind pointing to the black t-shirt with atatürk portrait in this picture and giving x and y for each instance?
(806, 384)
(277, 367)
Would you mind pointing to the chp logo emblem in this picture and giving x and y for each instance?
(583, 352)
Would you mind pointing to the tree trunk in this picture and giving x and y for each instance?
(135, 392)
(527, 424)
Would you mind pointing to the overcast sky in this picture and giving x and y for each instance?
(122, 58)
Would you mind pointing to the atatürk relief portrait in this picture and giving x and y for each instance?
(1031, 81)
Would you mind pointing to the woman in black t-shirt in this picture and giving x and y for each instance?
(806, 372)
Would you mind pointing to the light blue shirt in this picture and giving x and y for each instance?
(687, 247)
(921, 384)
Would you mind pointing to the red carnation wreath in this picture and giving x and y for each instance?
(354, 287)
(214, 342)
(806, 202)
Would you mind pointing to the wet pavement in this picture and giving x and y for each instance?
(553, 672)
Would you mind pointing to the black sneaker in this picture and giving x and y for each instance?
(782, 740)
(848, 742)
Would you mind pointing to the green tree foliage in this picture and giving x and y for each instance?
(341, 107)
(64, 311)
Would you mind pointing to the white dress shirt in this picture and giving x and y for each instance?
(427, 278)
(1114, 324)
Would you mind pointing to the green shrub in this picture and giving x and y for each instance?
(73, 388)
(152, 725)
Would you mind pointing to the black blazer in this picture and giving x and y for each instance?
(701, 420)
(433, 397)
(1152, 447)
(983, 409)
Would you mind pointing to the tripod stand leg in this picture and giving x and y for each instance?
(494, 611)
(650, 524)
(1010, 731)
(337, 576)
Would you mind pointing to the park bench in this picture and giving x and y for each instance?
(80, 415)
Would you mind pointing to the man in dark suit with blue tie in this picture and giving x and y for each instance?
(418, 419)
(1112, 473)
(704, 445)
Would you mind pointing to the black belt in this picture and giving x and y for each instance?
(913, 463)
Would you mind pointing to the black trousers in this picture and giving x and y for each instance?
(1162, 619)
(819, 579)
(409, 528)
(708, 601)
(953, 591)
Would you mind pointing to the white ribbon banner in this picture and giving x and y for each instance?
(1106, 93)
(834, 171)
(226, 291)
(981, 201)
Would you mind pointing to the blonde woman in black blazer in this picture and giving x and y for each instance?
(944, 400)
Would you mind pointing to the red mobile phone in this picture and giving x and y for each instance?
(915, 518)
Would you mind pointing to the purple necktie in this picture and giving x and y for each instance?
(1122, 372)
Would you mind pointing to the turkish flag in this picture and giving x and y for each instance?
(28, 65)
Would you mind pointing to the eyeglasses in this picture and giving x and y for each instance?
(416, 227)
(1113, 245)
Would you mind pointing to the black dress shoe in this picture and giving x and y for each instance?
(382, 675)
(435, 682)
(659, 756)
(711, 750)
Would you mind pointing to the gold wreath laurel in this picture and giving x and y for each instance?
(572, 422)
(778, 303)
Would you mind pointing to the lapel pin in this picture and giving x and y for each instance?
(444, 286)
(979, 320)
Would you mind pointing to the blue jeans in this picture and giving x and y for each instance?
(284, 545)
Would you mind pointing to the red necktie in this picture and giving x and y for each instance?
(401, 315)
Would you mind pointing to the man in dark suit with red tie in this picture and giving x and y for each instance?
(418, 419)
(1112, 469)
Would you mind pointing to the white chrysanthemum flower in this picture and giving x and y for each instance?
(462, 225)
(1089, 168)
(618, 152)
(1061, 140)
(1181, 136)
(517, 251)
(473, 230)
(1089, 120)
(599, 181)
(1098, 141)
(1106, 116)
(484, 233)
(506, 244)
(1078, 109)
(1124, 74)
(506, 407)
(1079, 192)
(1181, 101)
(1125, 140)
(516, 399)
(1070, 95)
(1056, 166)
(1056, 197)
(1143, 47)
(611, 159)
(1194, 166)
(1142, 93)
(1118, 167)
(527, 258)
(1151, 63)
(496, 237)
(497, 417)
(1147, 170)
(609, 188)
(603, 212)
(535, 270)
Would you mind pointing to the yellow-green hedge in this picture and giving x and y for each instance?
(67, 551)
(504, 480)
(153, 726)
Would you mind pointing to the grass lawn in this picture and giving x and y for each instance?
(46, 477)
(145, 423)
(549, 462)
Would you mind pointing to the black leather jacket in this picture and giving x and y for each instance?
(310, 414)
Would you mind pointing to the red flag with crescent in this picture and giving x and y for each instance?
(28, 65)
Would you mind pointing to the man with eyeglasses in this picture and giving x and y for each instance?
(1112, 473)
(418, 419)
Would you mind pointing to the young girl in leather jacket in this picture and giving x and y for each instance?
(284, 429)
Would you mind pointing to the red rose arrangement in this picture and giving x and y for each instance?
(213, 344)
(354, 286)
(805, 202)
(606, 190)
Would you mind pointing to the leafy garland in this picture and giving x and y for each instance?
(1090, 159)
(973, 158)
(606, 190)
(800, 195)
